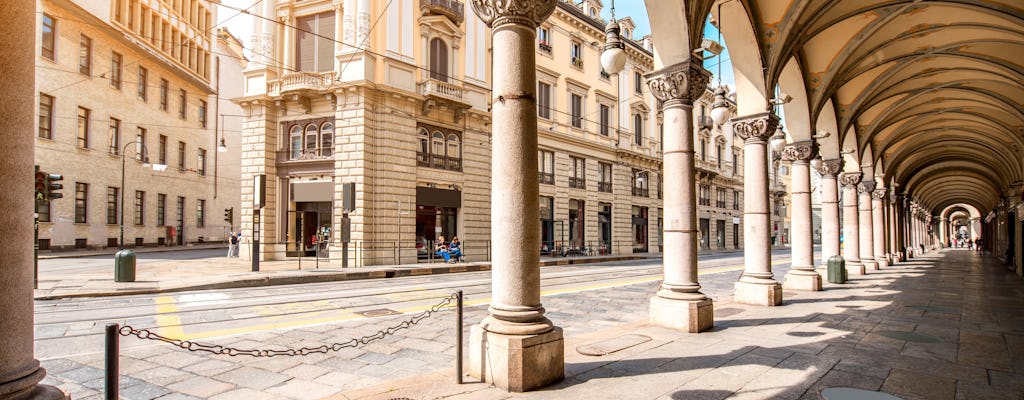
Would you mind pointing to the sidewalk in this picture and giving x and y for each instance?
(45, 255)
(225, 273)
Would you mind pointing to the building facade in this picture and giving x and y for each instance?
(382, 131)
(124, 85)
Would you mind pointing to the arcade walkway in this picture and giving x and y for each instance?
(946, 325)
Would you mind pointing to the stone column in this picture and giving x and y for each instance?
(679, 304)
(867, 240)
(20, 372)
(802, 275)
(756, 285)
(515, 347)
(878, 226)
(851, 231)
(829, 208)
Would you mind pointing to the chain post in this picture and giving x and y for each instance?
(112, 375)
(458, 337)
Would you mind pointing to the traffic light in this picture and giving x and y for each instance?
(40, 185)
(52, 189)
(229, 214)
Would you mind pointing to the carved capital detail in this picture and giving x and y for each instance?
(831, 168)
(850, 178)
(800, 151)
(866, 186)
(530, 13)
(879, 193)
(756, 128)
(684, 82)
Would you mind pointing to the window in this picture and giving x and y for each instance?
(543, 100)
(720, 197)
(49, 50)
(116, 63)
(312, 132)
(439, 148)
(140, 144)
(181, 156)
(703, 149)
(183, 104)
(638, 129)
(162, 150)
(704, 195)
(576, 52)
(604, 177)
(114, 137)
(140, 207)
(201, 162)
(578, 177)
(576, 225)
(641, 183)
(735, 163)
(735, 200)
(85, 55)
(143, 81)
(604, 115)
(81, 202)
(638, 82)
(576, 110)
(83, 127)
(43, 211)
(295, 141)
(327, 139)
(718, 155)
(453, 153)
(438, 60)
(179, 213)
(45, 116)
(161, 209)
(546, 166)
(112, 205)
(544, 39)
(314, 42)
(200, 213)
(202, 113)
(164, 87)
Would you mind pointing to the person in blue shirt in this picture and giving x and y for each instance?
(455, 249)
(442, 250)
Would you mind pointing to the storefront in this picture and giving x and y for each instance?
(308, 224)
(437, 214)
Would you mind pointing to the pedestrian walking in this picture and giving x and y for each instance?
(233, 238)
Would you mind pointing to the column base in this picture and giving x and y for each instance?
(882, 262)
(516, 363)
(869, 265)
(855, 268)
(806, 280)
(691, 316)
(759, 294)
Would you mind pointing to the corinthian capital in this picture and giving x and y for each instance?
(496, 13)
(880, 193)
(683, 82)
(831, 168)
(866, 186)
(756, 128)
(800, 151)
(850, 178)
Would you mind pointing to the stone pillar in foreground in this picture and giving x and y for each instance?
(867, 239)
(829, 171)
(679, 304)
(756, 285)
(878, 226)
(851, 230)
(801, 275)
(515, 347)
(20, 372)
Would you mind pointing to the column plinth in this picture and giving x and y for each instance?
(756, 285)
(679, 304)
(515, 347)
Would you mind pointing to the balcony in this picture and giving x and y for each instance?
(545, 46)
(641, 192)
(578, 183)
(433, 88)
(439, 162)
(548, 178)
(706, 170)
(301, 81)
(604, 187)
(577, 62)
(705, 122)
(305, 155)
(453, 9)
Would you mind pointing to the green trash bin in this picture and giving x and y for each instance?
(836, 269)
(124, 266)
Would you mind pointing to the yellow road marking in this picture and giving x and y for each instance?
(170, 324)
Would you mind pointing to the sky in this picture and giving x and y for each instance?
(240, 25)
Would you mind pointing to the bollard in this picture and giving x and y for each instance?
(111, 376)
(458, 337)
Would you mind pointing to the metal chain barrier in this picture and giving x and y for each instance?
(231, 351)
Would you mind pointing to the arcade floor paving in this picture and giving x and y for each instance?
(945, 325)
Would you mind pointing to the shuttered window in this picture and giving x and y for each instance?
(438, 60)
(314, 47)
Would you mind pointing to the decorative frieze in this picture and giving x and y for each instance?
(531, 13)
(831, 168)
(756, 128)
(800, 151)
(679, 83)
(850, 178)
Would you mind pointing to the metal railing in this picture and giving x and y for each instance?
(566, 248)
(439, 162)
(578, 183)
(604, 187)
(641, 192)
(547, 177)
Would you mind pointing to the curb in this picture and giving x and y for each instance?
(322, 277)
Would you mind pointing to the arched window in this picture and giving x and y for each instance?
(638, 129)
(437, 149)
(454, 155)
(718, 154)
(625, 34)
(295, 141)
(311, 133)
(423, 157)
(327, 139)
(593, 12)
(438, 60)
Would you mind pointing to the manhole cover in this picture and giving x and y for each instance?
(909, 336)
(380, 312)
(609, 346)
(726, 312)
(933, 309)
(844, 393)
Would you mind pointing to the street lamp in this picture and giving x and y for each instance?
(124, 254)
(613, 58)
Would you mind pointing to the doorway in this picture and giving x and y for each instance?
(303, 223)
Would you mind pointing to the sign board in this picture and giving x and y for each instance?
(259, 191)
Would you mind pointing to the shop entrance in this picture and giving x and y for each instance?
(303, 224)
(437, 214)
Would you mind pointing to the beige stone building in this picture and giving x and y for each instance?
(121, 82)
(397, 111)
